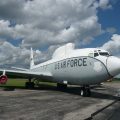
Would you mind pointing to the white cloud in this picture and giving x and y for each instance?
(113, 45)
(11, 55)
(104, 4)
(46, 24)
(111, 30)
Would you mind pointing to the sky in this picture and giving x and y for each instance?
(46, 25)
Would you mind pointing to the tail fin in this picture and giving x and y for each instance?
(31, 59)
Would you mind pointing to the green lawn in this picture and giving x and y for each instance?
(21, 83)
(116, 80)
(14, 82)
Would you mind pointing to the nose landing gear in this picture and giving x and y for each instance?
(85, 91)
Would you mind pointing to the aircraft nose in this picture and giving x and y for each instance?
(113, 65)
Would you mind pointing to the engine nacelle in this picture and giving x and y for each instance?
(3, 79)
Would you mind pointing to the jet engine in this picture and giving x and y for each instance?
(3, 79)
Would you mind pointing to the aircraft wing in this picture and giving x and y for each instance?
(25, 74)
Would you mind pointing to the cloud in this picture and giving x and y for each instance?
(44, 22)
(11, 55)
(113, 45)
(104, 4)
(12, 9)
(44, 25)
(111, 30)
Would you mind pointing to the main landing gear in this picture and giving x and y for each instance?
(85, 91)
(61, 86)
(29, 84)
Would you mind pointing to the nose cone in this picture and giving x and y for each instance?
(113, 65)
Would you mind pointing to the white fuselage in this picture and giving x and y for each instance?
(81, 66)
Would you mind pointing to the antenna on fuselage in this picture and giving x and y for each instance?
(31, 59)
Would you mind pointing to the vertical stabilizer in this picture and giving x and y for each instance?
(31, 59)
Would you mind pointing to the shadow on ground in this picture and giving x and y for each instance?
(71, 90)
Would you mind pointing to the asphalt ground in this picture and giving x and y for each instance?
(48, 103)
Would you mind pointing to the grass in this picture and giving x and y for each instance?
(21, 83)
(116, 80)
(15, 82)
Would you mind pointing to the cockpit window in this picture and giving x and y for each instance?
(91, 55)
(99, 53)
(104, 53)
(96, 54)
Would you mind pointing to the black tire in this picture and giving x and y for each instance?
(85, 92)
(61, 86)
(88, 93)
(29, 85)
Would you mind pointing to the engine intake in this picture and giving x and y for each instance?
(3, 79)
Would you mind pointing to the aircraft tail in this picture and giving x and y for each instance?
(31, 59)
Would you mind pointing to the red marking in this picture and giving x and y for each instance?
(3, 79)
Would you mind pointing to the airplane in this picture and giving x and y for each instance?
(84, 67)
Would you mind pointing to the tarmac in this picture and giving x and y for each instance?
(48, 103)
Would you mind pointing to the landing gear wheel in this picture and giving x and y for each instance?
(85, 92)
(82, 92)
(61, 86)
(88, 93)
(29, 85)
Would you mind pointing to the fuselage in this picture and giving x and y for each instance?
(80, 66)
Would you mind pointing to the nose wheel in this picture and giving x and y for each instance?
(85, 91)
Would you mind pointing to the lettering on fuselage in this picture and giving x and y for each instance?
(76, 62)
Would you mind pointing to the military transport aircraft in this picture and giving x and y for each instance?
(68, 65)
